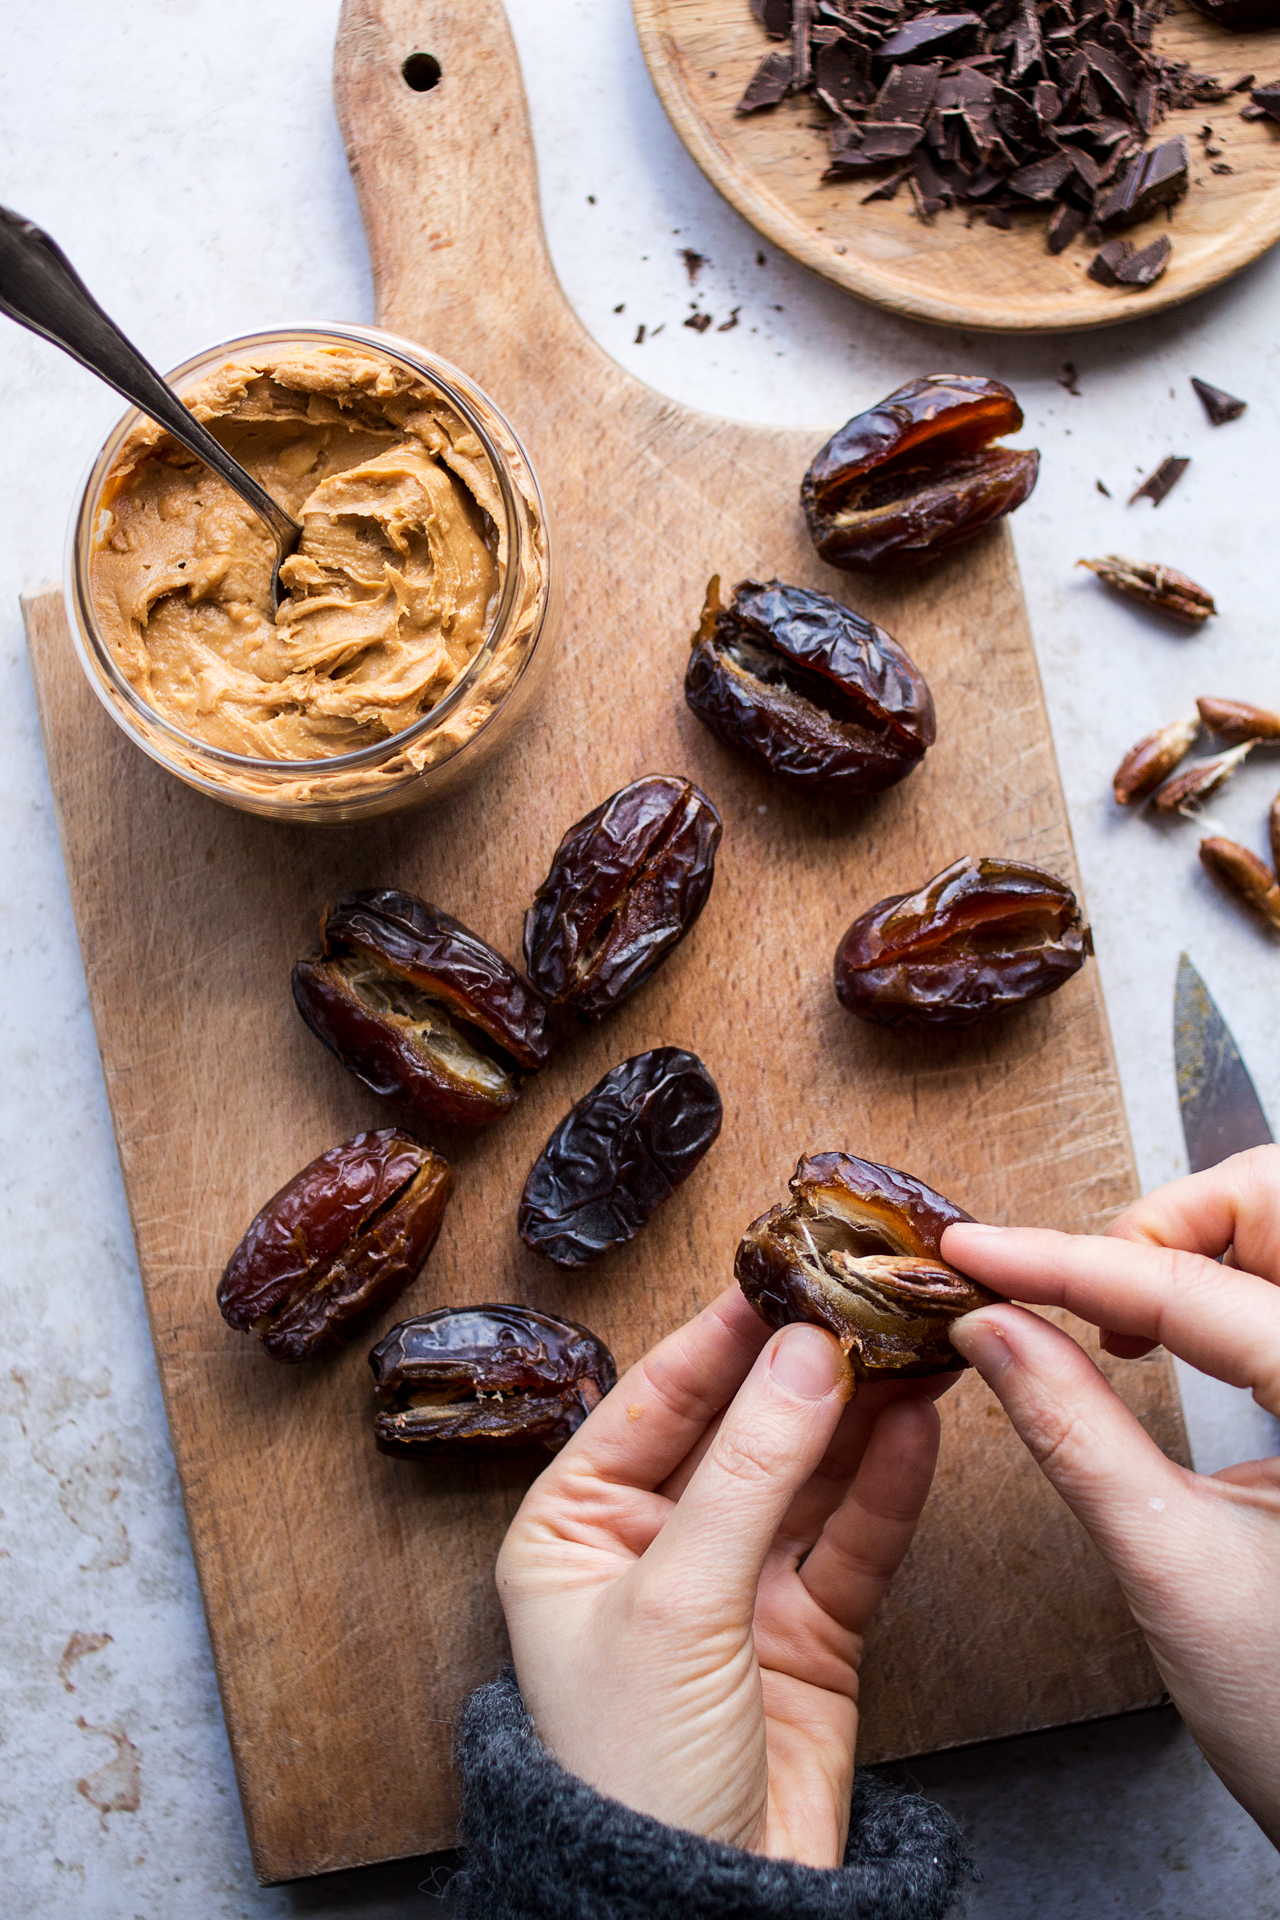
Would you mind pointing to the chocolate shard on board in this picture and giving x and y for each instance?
(1159, 484)
(1150, 181)
(1142, 266)
(774, 16)
(1268, 98)
(1108, 260)
(931, 34)
(890, 139)
(1219, 406)
(1041, 180)
(769, 84)
(1065, 222)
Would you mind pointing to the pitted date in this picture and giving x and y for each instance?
(806, 688)
(472, 1381)
(910, 478)
(421, 1009)
(855, 1250)
(625, 886)
(980, 936)
(341, 1241)
(618, 1155)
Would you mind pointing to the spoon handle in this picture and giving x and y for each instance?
(40, 289)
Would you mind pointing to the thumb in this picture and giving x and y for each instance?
(772, 1437)
(1110, 1472)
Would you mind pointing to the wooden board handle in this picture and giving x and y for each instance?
(447, 181)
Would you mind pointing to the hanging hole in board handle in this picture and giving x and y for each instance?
(421, 71)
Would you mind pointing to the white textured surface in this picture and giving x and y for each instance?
(200, 197)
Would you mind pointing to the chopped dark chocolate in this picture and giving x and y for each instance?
(1268, 98)
(1165, 478)
(770, 82)
(1239, 13)
(1018, 103)
(1219, 406)
(699, 322)
(1150, 181)
(693, 262)
(1145, 264)
(1107, 261)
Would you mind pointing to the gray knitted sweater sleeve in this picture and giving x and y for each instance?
(542, 1845)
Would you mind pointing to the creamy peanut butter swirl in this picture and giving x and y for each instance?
(387, 601)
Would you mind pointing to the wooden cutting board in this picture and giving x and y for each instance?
(349, 1597)
(701, 54)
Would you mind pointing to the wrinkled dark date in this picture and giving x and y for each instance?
(625, 886)
(478, 1380)
(855, 1250)
(808, 689)
(915, 475)
(341, 1241)
(618, 1155)
(982, 935)
(420, 1009)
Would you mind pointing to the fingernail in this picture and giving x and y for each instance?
(808, 1362)
(982, 1341)
(975, 1229)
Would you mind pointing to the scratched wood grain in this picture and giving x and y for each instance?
(349, 1597)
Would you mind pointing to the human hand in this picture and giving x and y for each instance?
(688, 1584)
(1198, 1556)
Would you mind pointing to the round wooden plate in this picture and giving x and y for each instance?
(701, 54)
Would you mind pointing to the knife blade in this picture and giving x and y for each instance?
(1221, 1113)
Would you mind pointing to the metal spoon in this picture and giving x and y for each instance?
(40, 289)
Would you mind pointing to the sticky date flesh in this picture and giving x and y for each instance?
(625, 886)
(340, 1241)
(917, 474)
(618, 1155)
(983, 935)
(473, 1381)
(808, 689)
(421, 1009)
(855, 1250)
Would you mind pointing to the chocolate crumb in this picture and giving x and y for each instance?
(639, 339)
(699, 322)
(621, 304)
(727, 326)
(1158, 485)
(1219, 406)
(1069, 379)
(1103, 490)
(693, 262)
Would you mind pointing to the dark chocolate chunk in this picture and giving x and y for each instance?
(770, 82)
(907, 93)
(1165, 478)
(1150, 181)
(1041, 180)
(1219, 406)
(1145, 264)
(1106, 263)
(774, 16)
(931, 34)
(1268, 98)
(890, 139)
(843, 73)
(1065, 223)
(1240, 13)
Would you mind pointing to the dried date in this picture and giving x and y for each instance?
(341, 1241)
(917, 474)
(1187, 791)
(982, 935)
(625, 886)
(1163, 589)
(806, 688)
(473, 1381)
(855, 1250)
(617, 1155)
(421, 1009)
(1236, 721)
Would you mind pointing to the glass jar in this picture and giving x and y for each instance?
(469, 725)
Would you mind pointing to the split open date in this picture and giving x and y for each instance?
(982, 935)
(341, 1241)
(618, 1155)
(806, 688)
(855, 1250)
(421, 1009)
(475, 1381)
(919, 473)
(625, 886)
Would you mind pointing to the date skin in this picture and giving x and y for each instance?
(914, 476)
(625, 886)
(983, 935)
(472, 1381)
(341, 1241)
(855, 1250)
(806, 688)
(618, 1155)
(421, 1009)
